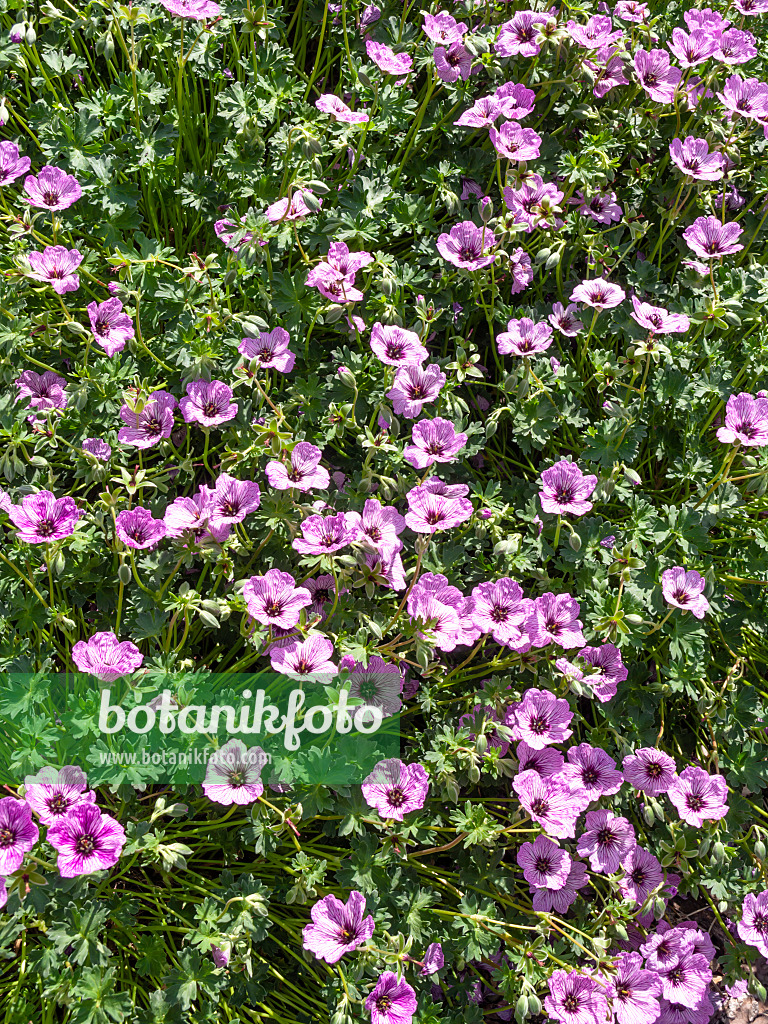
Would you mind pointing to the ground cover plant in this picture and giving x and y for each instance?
(416, 353)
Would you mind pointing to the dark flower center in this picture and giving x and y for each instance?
(499, 613)
(564, 495)
(7, 837)
(540, 806)
(543, 865)
(50, 198)
(153, 427)
(650, 79)
(383, 1004)
(85, 845)
(538, 724)
(623, 992)
(571, 1003)
(417, 392)
(322, 595)
(590, 776)
(638, 876)
(45, 528)
(760, 923)
(346, 935)
(265, 354)
(396, 797)
(695, 802)
(654, 770)
(229, 508)
(274, 608)
(138, 534)
(681, 596)
(435, 448)
(605, 837)
(374, 533)
(58, 804)
(210, 408)
(237, 778)
(676, 975)
(433, 518)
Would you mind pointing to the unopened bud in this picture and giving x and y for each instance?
(346, 376)
(124, 574)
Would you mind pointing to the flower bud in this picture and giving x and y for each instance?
(30, 35)
(124, 574)
(17, 33)
(346, 376)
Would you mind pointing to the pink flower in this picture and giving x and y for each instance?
(395, 789)
(233, 774)
(443, 28)
(155, 421)
(692, 49)
(631, 10)
(57, 265)
(500, 609)
(642, 874)
(565, 489)
(392, 1001)
(52, 189)
(467, 246)
(415, 387)
(137, 528)
(197, 10)
(746, 421)
(43, 518)
(657, 319)
(656, 75)
(271, 349)
(565, 319)
(395, 346)
(522, 271)
(710, 239)
(753, 926)
(221, 227)
(544, 864)
(548, 801)
(542, 719)
(608, 839)
(111, 327)
(598, 293)
(305, 472)
(482, 114)
(337, 928)
(44, 390)
(322, 535)
(601, 207)
(555, 619)
(431, 513)
(330, 104)
(649, 770)
(597, 33)
(208, 403)
(575, 998)
(387, 60)
(744, 97)
(275, 600)
(694, 159)
(12, 165)
(191, 515)
(290, 209)
(699, 797)
(86, 840)
(433, 441)
(453, 62)
(516, 100)
(524, 338)
(519, 35)
(105, 657)
(515, 143)
(308, 660)
(231, 500)
(685, 590)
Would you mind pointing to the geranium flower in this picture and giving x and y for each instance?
(692, 49)
(467, 246)
(695, 160)
(52, 189)
(699, 797)
(515, 143)
(500, 609)
(98, 448)
(519, 35)
(575, 999)
(607, 65)
(735, 47)
(148, 427)
(197, 10)
(565, 489)
(433, 441)
(87, 840)
(608, 839)
(555, 619)
(687, 981)
(607, 670)
(395, 346)
(395, 789)
(18, 833)
(322, 535)
(378, 684)
(271, 349)
(392, 1001)
(208, 402)
(521, 268)
(12, 165)
(665, 947)
(308, 660)
(44, 390)
(274, 599)
(595, 770)
(598, 293)
(544, 864)
(753, 926)
(105, 657)
(649, 770)
(746, 421)
(137, 528)
(233, 774)
(565, 319)
(656, 75)
(415, 387)
(110, 326)
(601, 207)
(642, 874)
(443, 28)
(385, 58)
(482, 114)
(223, 232)
(745, 97)
(378, 524)
(291, 209)
(453, 62)
(710, 239)
(337, 928)
(597, 32)
(43, 518)
(192, 515)
(56, 265)
(657, 319)
(231, 500)
(685, 590)
(559, 900)
(433, 960)
(52, 792)
(431, 513)
(524, 338)
(304, 471)
(533, 202)
(545, 762)
(632, 991)
(516, 100)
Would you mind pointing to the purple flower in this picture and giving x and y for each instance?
(522, 271)
(706, 20)
(519, 35)
(664, 948)
(443, 28)
(656, 76)
(565, 319)
(607, 65)
(52, 792)
(433, 441)
(607, 841)
(429, 512)
(378, 684)
(524, 338)
(433, 960)
(699, 797)
(467, 246)
(148, 427)
(601, 207)
(137, 528)
(674, 1013)
(42, 518)
(275, 600)
(642, 874)
(692, 49)
(549, 802)
(57, 265)
(12, 166)
(595, 770)
(685, 590)
(105, 657)
(197, 10)
(415, 387)
(695, 160)
(52, 189)
(271, 349)
(110, 326)
(379, 525)
(18, 833)
(500, 609)
(686, 981)
(753, 926)
(542, 719)
(605, 670)
(534, 204)
(566, 489)
(233, 773)
(544, 864)
(98, 448)
(192, 515)
(515, 143)
(555, 619)
(735, 47)
(86, 840)
(747, 97)
(305, 472)
(291, 208)
(221, 227)
(657, 319)
(746, 421)
(333, 286)
(219, 956)
(515, 100)
(598, 293)
(453, 62)
(231, 500)
(44, 390)
(392, 1001)
(559, 900)
(710, 239)
(322, 535)
(476, 718)
(387, 60)
(208, 403)
(328, 103)
(337, 928)
(575, 999)
(545, 762)
(369, 17)
(597, 33)
(482, 114)
(395, 789)
(649, 770)
(308, 660)
(633, 992)
(397, 347)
